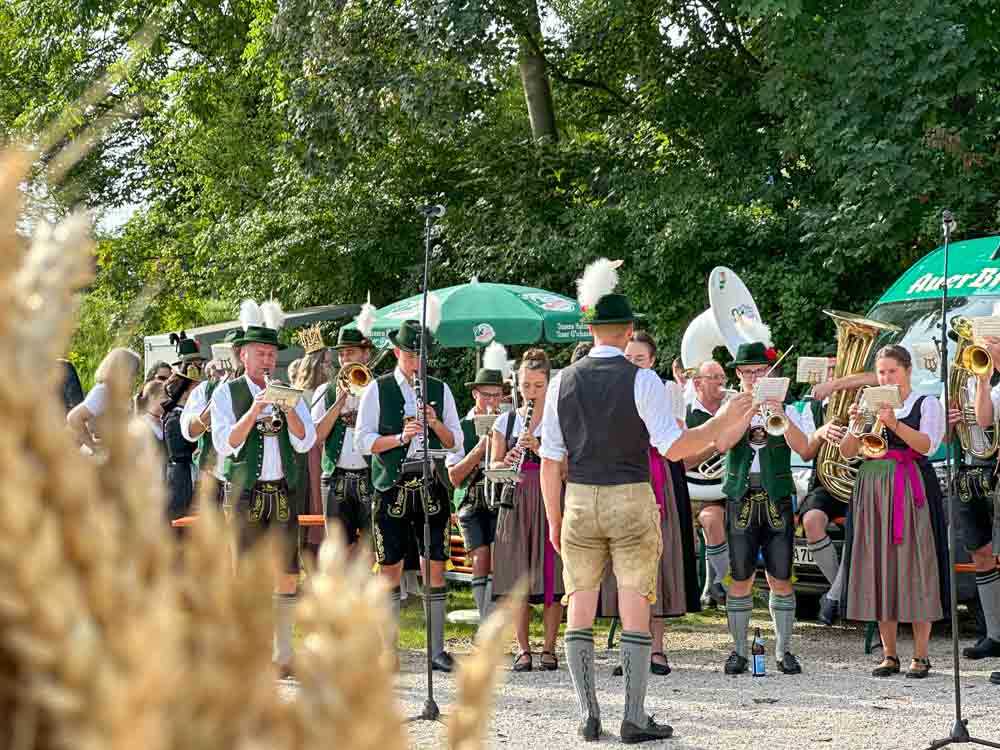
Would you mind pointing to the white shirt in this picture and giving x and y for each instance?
(224, 420)
(932, 418)
(500, 427)
(652, 401)
(995, 398)
(350, 457)
(369, 411)
(458, 453)
(96, 399)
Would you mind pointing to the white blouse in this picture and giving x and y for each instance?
(932, 418)
(501, 426)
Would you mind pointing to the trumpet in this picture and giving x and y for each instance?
(873, 441)
(775, 422)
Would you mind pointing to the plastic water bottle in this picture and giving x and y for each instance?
(757, 654)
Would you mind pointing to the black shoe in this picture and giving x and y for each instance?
(788, 664)
(442, 662)
(888, 667)
(590, 729)
(521, 664)
(717, 593)
(656, 668)
(736, 664)
(919, 669)
(995, 678)
(986, 647)
(829, 610)
(617, 671)
(632, 734)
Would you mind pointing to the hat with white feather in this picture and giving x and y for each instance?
(411, 332)
(600, 304)
(261, 323)
(495, 368)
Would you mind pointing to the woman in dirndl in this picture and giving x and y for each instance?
(894, 571)
(522, 547)
(677, 590)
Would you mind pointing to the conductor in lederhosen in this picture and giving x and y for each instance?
(604, 412)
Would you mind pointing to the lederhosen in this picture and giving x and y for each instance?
(205, 457)
(759, 514)
(475, 518)
(818, 497)
(398, 512)
(261, 505)
(347, 493)
(180, 486)
(696, 418)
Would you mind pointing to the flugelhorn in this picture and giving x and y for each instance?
(870, 432)
(775, 422)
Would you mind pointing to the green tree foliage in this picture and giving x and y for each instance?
(283, 147)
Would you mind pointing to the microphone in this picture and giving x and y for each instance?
(435, 210)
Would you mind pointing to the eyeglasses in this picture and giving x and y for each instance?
(757, 372)
(491, 394)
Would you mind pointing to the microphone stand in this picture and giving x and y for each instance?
(960, 729)
(431, 711)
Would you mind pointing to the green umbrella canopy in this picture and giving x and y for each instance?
(475, 314)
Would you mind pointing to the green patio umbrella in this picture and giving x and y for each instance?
(474, 314)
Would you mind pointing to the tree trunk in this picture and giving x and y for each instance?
(535, 80)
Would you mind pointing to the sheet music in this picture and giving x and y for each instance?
(986, 327)
(770, 389)
(877, 395)
(812, 370)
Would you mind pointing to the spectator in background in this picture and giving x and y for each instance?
(82, 418)
(149, 409)
(72, 389)
(159, 371)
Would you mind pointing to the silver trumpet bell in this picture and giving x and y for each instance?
(775, 422)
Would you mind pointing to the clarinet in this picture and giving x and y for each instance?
(507, 494)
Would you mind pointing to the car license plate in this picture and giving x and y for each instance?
(803, 556)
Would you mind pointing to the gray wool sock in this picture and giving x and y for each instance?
(437, 599)
(838, 583)
(825, 556)
(580, 655)
(284, 624)
(636, 650)
(738, 611)
(988, 584)
(718, 558)
(392, 635)
(488, 600)
(782, 608)
(479, 584)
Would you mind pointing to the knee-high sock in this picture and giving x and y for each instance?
(392, 634)
(580, 655)
(437, 599)
(636, 650)
(718, 558)
(825, 556)
(838, 582)
(782, 608)
(284, 623)
(479, 585)
(488, 597)
(738, 611)
(988, 584)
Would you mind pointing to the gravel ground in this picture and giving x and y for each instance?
(835, 703)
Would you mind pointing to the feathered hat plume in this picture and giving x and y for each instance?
(274, 316)
(366, 318)
(754, 330)
(250, 314)
(599, 279)
(495, 358)
(433, 313)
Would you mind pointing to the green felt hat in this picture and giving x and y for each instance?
(751, 354)
(487, 377)
(408, 336)
(351, 337)
(259, 335)
(611, 308)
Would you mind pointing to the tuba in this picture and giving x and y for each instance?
(856, 338)
(971, 362)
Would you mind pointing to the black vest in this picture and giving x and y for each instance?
(606, 439)
(911, 420)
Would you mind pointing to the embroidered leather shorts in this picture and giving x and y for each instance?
(757, 523)
(975, 489)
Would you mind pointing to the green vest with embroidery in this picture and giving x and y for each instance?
(243, 469)
(775, 468)
(335, 440)
(386, 465)
(696, 417)
(471, 440)
(205, 457)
